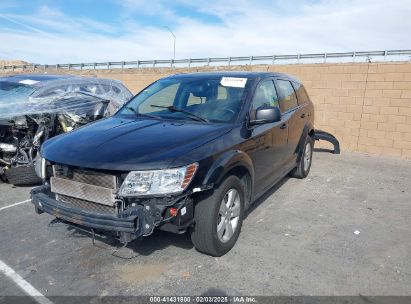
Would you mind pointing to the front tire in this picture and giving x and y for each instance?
(218, 218)
(304, 165)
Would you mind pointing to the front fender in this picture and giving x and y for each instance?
(226, 162)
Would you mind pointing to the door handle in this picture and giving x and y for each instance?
(283, 126)
(303, 115)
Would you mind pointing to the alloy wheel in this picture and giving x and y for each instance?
(228, 215)
(307, 156)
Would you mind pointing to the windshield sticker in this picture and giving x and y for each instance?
(233, 82)
(28, 81)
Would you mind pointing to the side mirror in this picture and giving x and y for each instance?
(266, 114)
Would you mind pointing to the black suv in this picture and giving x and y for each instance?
(190, 152)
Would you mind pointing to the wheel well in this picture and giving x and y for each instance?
(301, 143)
(244, 175)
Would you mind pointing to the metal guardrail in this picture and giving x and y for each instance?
(272, 59)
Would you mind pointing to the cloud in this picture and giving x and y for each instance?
(157, 8)
(50, 20)
(245, 28)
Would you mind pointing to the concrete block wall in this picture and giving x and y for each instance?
(367, 106)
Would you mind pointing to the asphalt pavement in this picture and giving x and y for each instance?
(344, 230)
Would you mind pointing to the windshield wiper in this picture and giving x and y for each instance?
(188, 113)
(141, 114)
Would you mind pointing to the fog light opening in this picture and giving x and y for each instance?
(173, 211)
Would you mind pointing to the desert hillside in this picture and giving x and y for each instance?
(12, 62)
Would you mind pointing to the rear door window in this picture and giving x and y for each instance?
(288, 99)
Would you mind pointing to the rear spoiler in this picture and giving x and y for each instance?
(322, 135)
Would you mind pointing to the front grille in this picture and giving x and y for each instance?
(85, 189)
(85, 205)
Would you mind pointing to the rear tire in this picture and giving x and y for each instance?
(304, 165)
(22, 175)
(218, 218)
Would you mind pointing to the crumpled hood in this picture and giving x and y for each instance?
(125, 144)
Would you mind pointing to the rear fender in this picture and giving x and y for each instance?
(307, 131)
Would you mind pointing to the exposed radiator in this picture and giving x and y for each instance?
(86, 205)
(86, 176)
(83, 189)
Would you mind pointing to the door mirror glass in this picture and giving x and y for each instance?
(266, 114)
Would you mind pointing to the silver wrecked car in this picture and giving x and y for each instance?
(35, 107)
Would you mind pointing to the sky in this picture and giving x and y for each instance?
(74, 31)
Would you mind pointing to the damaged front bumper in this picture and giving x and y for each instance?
(130, 224)
(139, 219)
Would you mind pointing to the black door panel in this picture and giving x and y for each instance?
(296, 129)
(295, 114)
(269, 140)
(270, 148)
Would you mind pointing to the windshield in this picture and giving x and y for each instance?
(201, 99)
(10, 90)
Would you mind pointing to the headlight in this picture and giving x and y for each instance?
(40, 166)
(154, 182)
